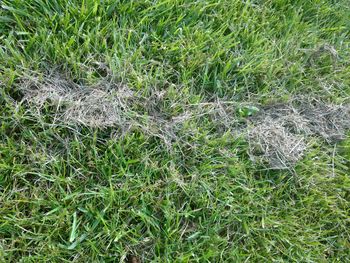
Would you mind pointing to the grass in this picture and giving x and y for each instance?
(73, 193)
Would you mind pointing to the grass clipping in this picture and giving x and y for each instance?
(278, 135)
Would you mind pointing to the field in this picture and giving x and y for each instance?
(174, 131)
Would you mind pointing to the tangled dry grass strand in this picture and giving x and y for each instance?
(278, 134)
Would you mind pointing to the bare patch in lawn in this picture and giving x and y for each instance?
(101, 105)
(105, 104)
(278, 135)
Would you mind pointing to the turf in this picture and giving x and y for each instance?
(70, 192)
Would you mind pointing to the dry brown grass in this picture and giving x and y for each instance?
(278, 134)
(270, 141)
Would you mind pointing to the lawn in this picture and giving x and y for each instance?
(174, 131)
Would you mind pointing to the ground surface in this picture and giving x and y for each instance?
(123, 131)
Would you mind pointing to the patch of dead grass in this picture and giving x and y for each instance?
(282, 132)
(278, 135)
(270, 141)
